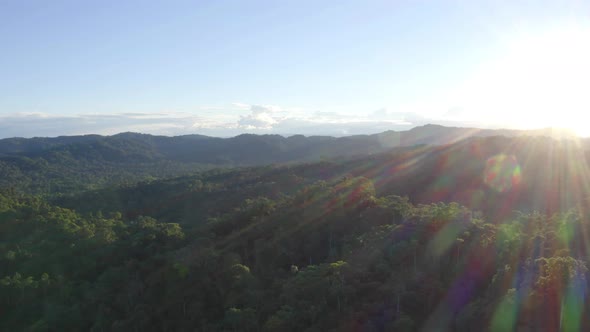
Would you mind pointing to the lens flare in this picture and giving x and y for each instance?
(502, 173)
(505, 316)
(572, 310)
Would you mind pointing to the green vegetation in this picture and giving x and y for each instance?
(71, 164)
(482, 235)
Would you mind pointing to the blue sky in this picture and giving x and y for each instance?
(313, 67)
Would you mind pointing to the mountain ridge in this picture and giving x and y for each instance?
(64, 163)
(431, 134)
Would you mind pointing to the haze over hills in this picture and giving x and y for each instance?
(383, 236)
(535, 171)
(73, 163)
(210, 149)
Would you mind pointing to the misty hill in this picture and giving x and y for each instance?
(246, 149)
(495, 175)
(73, 163)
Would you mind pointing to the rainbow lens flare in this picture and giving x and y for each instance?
(502, 173)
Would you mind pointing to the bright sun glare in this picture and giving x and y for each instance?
(540, 80)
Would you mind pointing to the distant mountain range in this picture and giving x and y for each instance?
(74, 163)
(246, 149)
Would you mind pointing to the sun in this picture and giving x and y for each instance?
(538, 79)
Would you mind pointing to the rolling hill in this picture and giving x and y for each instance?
(75, 163)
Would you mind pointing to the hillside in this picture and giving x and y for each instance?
(76, 163)
(204, 149)
(294, 166)
(495, 175)
(486, 234)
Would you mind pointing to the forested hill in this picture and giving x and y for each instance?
(246, 149)
(495, 175)
(77, 163)
(320, 246)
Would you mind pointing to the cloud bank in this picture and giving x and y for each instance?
(238, 118)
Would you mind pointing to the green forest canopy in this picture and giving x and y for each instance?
(369, 244)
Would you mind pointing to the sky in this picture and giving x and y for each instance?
(222, 68)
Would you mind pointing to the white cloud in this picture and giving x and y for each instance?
(44, 124)
(257, 121)
(261, 119)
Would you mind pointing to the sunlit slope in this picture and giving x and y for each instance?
(321, 245)
(495, 175)
(76, 163)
